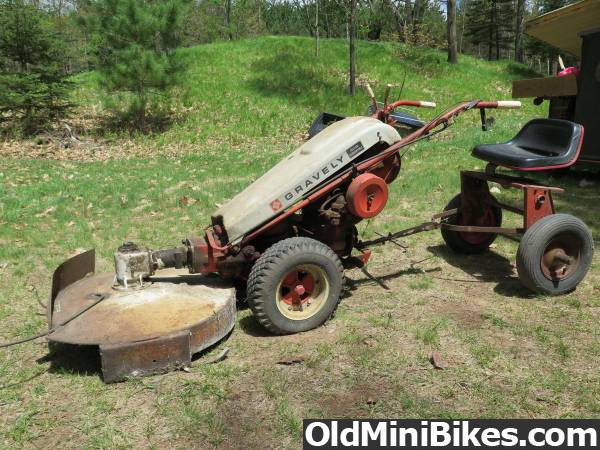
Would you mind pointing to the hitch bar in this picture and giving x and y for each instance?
(434, 224)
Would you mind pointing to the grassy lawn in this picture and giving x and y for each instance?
(246, 105)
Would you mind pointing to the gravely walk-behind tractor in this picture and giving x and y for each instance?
(292, 232)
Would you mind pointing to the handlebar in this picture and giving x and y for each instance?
(500, 104)
(417, 103)
(388, 108)
(383, 113)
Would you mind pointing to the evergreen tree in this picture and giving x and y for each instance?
(33, 84)
(490, 23)
(136, 42)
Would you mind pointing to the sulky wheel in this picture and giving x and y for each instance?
(295, 285)
(554, 254)
(471, 243)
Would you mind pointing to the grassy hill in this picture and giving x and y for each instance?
(245, 105)
(259, 92)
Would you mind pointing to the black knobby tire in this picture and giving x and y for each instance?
(541, 265)
(269, 274)
(470, 243)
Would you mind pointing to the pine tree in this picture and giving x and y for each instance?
(136, 43)
(33, 84)
(490, 23)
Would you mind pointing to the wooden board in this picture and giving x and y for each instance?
(545, 87)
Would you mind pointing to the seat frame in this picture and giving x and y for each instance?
(476, 197)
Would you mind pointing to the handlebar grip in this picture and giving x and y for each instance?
(509, 104)
(388, 87)
(369, 91)
(427, 104)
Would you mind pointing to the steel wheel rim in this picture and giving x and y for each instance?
(302, 292)
(561, 256)
(487, 219)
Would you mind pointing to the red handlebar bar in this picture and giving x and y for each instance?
(417, 103)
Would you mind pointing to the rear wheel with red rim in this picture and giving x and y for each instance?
(485, 215)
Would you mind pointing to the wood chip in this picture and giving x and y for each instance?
(437, 362)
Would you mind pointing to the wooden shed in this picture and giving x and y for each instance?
(574, 29)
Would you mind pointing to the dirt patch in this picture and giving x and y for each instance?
(468, 316)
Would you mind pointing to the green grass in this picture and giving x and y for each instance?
(245, 105)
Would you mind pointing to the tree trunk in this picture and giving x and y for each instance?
(228, 19)
(519, 53)
(496, 26)
(317, 29)
(464, 6)
(452, 47)
(352, 33)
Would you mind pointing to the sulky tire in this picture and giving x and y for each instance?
(471, 243)
(555, 254)
(295, 285)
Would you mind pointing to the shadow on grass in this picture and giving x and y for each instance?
(250, 326)
(121, 123)
(522, 71)
(283, 74)
(486, 267)
(69, 359)
(352, 284)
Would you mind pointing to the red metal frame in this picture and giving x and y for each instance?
(537, 199)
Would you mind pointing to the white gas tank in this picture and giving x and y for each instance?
(308, 167)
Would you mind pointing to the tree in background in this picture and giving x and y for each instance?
(136, 43)
(352, 46)
(451, 20)
(489, 23)
(33, 84)
(519, 28)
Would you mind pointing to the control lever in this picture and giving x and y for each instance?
(388, 87)
(486, 122)
(371, 95)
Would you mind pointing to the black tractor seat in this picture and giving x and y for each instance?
(542, 144)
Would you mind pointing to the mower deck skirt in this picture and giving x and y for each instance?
(148, 330)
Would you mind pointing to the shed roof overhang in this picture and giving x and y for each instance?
(563, 27)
